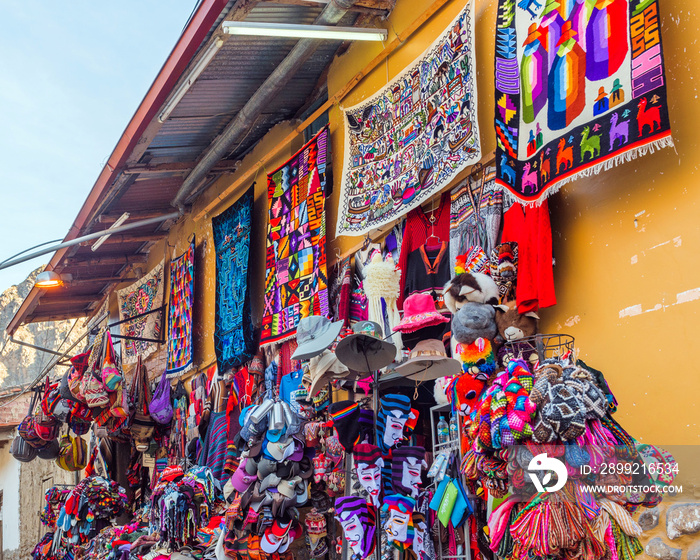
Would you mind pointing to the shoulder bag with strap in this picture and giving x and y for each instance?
(142, 425)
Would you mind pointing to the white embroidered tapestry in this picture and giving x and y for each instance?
(408, 141)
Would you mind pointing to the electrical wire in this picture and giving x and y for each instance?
(44, 372)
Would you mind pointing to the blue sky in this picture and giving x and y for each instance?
(71, 76)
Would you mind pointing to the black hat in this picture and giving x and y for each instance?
(345, 416)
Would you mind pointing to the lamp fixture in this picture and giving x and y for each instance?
(191, 78)
(119, 221)
(51, 279)
(301, 31)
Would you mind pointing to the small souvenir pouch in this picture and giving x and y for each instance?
(439, 492)
(447, 504)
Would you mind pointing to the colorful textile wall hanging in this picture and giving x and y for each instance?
(143, 295)
(580, 87)
(408, 141)
(180, 312)
(234, 336)
(295, 275)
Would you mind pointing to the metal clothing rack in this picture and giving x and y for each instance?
(546, 345)
(140, 338)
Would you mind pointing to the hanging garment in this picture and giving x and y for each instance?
(363, 257)
(427, 271)
(418, 228)
(339, 291)
(476, 209)
(529, 227)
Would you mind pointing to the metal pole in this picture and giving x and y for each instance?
(90, 236)
(378, 515)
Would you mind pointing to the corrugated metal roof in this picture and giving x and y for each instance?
(239, 68)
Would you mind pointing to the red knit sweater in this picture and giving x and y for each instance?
(529, 227)
(418, 228)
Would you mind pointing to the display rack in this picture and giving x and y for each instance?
(546, 345)
(449, 445)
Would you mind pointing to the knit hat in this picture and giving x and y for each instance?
(395, 409)
(419, 312)
(366, 423)
(399, 508)
(315, 526)
(406, 466)
(368, 464)
(347, 507)
(345, 416)
(474, 260)
(366, 453)
(172, 472)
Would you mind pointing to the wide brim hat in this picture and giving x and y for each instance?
(419, 312)
(314, 335)
(323, 369)
(428, 360)
(365, 350)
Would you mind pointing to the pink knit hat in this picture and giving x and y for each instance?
(419, 312)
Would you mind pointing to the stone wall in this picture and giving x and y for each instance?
(671, 531)
(35, 478)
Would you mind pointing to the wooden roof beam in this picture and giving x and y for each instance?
(89, 260)
(100, 280)
(69, 300)
(182, 167)
(372, 7)
(111, 217)
(126, 238)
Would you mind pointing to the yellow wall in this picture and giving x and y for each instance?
(608, 267)
(628, 291)
(604, 264)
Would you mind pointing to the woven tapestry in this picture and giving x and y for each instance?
(580, 87)
(234, 336)
(142, 296)
(180, 312)
(295, 270)
(407, 142)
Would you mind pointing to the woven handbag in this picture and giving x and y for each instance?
(111, 375)
(142, 425)
(73, 454)
(27, 428)
(22, 451)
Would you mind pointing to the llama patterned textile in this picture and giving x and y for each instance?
(580, 87)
